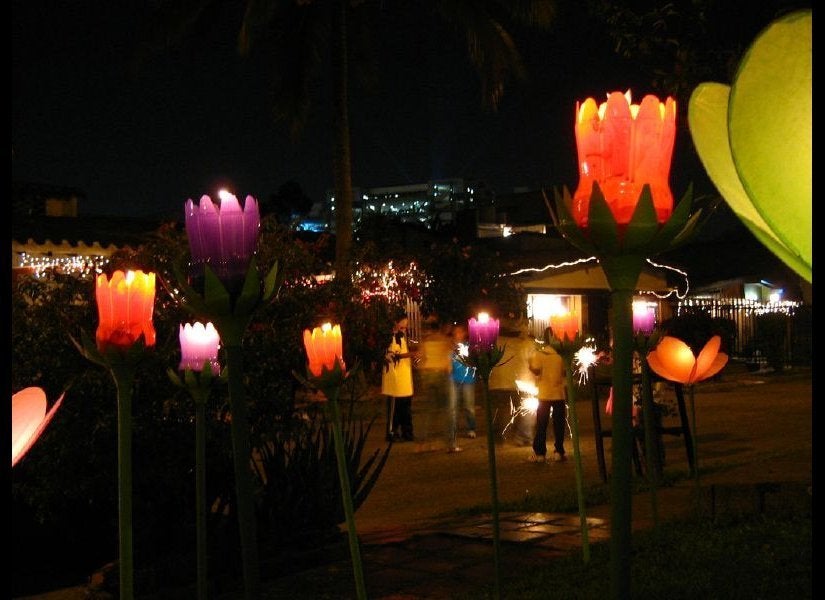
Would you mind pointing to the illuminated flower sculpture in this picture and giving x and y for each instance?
(326, 371)
(29, 419)
(125, 303)
(674, 360)
(199, 365)
(223, 236)
(483, 355)
(623, 213)
(755, 139)
(225, 289)
(568, 342)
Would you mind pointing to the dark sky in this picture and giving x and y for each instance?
(141, 141)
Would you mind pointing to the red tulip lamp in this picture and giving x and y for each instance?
(125, 303)
(623, 212)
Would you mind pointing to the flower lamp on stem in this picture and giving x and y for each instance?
(674, 360)
(222, 240)
(622, 212)
(326, 372)
(199, 366)
(125, 304)
(567, 342)
(484, 355)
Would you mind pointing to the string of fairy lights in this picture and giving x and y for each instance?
(67, 264)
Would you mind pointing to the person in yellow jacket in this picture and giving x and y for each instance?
(548, 367)
(397, 383)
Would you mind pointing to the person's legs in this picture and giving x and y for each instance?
(468, 395)
(392, 418)
(403, 409)
(559, 425)
(540, 436)
(452, 413)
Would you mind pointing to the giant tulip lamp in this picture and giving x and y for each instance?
(199, 367)
(125, 303)
(224, 288)
(483, 354)
(29, 418)
(623, 212)
(327, 372)
(674, 360)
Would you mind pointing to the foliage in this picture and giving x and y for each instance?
(298, 473)
(464, 280)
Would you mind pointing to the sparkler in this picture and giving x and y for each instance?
(584, 358)
(528, 402)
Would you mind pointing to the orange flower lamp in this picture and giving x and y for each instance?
(124, 305)
(565, 326)
(325, 366)
(324, 348)
(624, 146)
(674, 360)
(29, 419)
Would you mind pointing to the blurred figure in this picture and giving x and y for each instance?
(548, 367)
(461, 390)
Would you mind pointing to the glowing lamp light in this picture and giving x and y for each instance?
(199, 345)
(324, 347)
(623, 146)
(644, 317)
(124, 305)
(29, 419)
(674, 360)
(483, 331)
(222, 235)
(565, 326)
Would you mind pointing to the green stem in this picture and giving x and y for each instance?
(651, 453)
(491, 454)
(571, 401)
(346, 496)
(620, 488)
(200, 491)
(124, 378)
(242, 455)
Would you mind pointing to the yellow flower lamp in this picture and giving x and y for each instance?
(754, 138)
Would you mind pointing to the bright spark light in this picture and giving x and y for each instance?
(585, 358)
(528, 402)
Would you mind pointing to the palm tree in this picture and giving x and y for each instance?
(300, 33)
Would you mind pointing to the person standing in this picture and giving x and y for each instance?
(461, 389)
(397, 383)
(548, 367)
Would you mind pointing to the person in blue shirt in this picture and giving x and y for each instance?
(461, 390)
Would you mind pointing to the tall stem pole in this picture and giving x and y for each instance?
(200, 492)
(491, 455)
(124, 378)
(571, 401)
(346, 497)
(620, 488)
(242, 454)
(695, 446)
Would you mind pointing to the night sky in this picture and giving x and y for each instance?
(141, 140)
